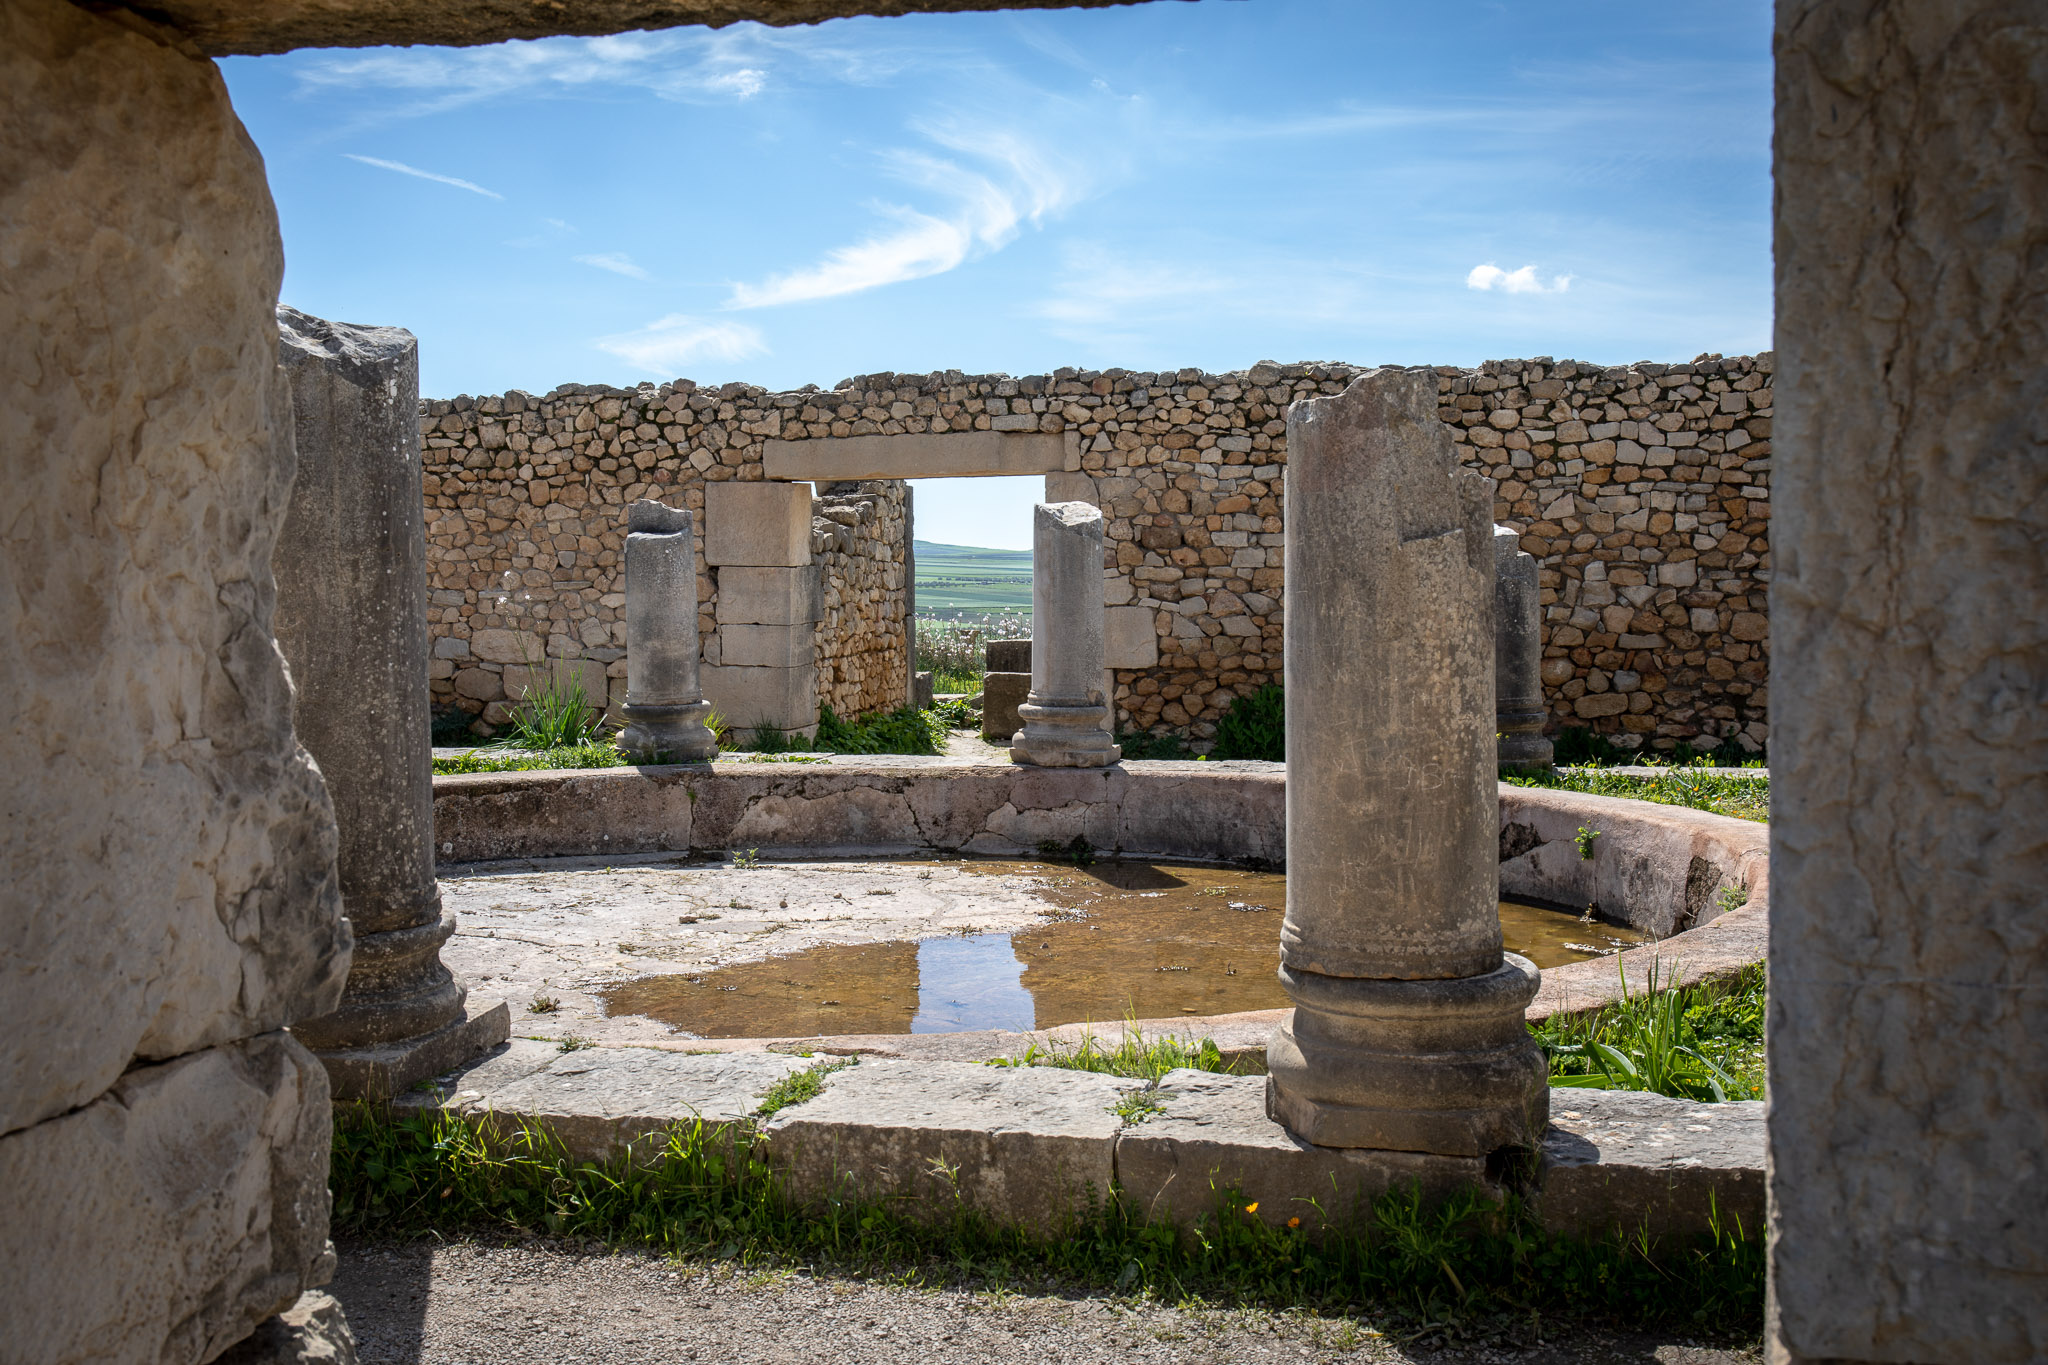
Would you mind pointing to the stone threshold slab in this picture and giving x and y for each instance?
(1030, 1145)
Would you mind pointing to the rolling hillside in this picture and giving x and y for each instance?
(961, 580)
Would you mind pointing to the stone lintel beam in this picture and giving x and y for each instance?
(924, 455)
(244, 28)
(1407, 1028)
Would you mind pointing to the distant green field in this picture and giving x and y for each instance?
(962, 580)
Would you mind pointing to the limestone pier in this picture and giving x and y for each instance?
(665, 707)
(1407, 1031)
(1518, 706)
(1066, 715)
(352, 622)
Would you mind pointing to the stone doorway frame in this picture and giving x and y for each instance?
(757, 534)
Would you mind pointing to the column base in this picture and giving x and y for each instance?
(1056, 736)
(383, 1070)
(668, 734)
(1443, 1066)
(1522, 746)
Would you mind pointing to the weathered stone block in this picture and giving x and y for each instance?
(169, 847)
(779, 698)
(164, 1220)
(1007, 656)
(766, 646)
(1129, 638)
(1634, 1162)
(508, 647)
(769, 597)
(1909, 818)
(763, 525)
(917, 456)
(1001, 695)
(1030, 1146)
(602, 1102)
(1212, 1139)
(310, 1332)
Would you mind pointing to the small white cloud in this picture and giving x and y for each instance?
(1491, 277)
(665, 346)
(744, 83)
(618, 262)
(404, 169)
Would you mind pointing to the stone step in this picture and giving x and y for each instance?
(1029, 1145)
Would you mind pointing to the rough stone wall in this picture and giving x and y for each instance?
(1643, 491)
(857, 537)
(171, 902)
(1909, 793)
(526, 523)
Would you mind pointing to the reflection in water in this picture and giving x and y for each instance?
(1142, 940)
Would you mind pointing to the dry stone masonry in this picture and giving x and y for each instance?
(1642, 492)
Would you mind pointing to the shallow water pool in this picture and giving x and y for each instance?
(1140, 940)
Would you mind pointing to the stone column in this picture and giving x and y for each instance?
(352, 621)
(1909, 685)
(1518, 706)
(1407, 1030)
(1066, 715)
(665, 706)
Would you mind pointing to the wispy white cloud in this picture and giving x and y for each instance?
(404, 169)
(687, 66)
(1490, 277)
(618, 262)
(1021, 184)
(664, 346)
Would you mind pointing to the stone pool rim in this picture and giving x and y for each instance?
(1666, 869)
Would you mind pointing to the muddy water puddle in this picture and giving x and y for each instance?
(1127, 939)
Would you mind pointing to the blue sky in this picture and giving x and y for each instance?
(1159, 186)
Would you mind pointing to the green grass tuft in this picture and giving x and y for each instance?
(1745, 798)
(1696, 1043)
(596, 754)
(799, 1086)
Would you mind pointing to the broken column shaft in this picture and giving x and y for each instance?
(1518, 706)
(1066, 716)
(665, 707)
(1407, 1031)
(352, 622)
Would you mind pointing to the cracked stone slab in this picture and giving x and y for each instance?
(1632, 1160)
(1210, 1151)
(1029, 1146)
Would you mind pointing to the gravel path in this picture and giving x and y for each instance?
(467, 1303)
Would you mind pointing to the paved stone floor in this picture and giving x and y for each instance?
(467, 1303)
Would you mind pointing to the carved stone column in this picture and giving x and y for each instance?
(1407, 1030)
(665, 706)
(1066, 715)
(352, 621)
(1518, 706)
